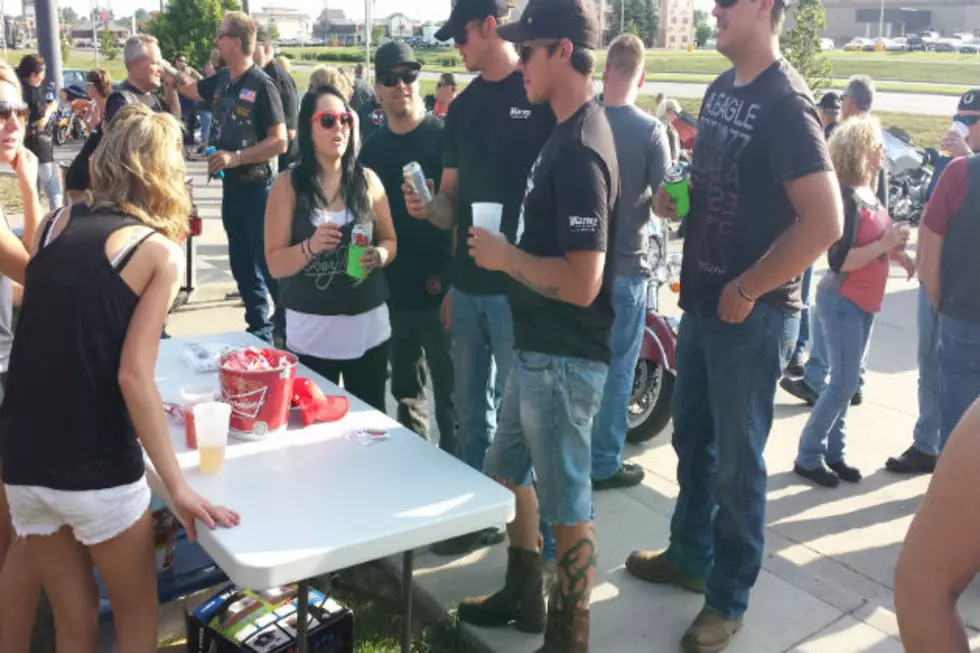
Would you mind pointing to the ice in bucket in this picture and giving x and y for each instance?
(486, 215)
(212, 419)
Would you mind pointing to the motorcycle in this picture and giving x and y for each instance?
(653, 379)
(69, 121)
(908, 176)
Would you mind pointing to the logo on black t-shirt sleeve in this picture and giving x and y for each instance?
(583, 225)
(516, 113)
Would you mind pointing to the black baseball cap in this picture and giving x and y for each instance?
(574, 20)
(831, 101)
(393, 54)
(262, 34)
(466, 10)
(970, 101)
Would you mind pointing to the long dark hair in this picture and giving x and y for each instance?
(306, 174)
(30, 64)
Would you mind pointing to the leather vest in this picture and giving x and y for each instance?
(234, 120)
(960, 267)
(323, 287)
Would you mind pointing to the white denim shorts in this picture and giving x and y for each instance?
(95, 516)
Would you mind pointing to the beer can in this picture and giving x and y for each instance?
(676, 173)
(361, 235)
(415, 177)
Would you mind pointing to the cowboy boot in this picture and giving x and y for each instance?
(521, 601)
(567, 631)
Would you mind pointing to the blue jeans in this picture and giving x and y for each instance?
(817, 365)
(848, 331)
(49, 180)
(723, 411)
(243, 216)
(926, 433)
(483, 334)
(609, 430)
(546, 425)
(206, 118)
(959, 371)
(804, 338)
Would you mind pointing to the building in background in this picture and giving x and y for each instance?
(676, 24)
(290, 23)
(400, 27)
(847, 19)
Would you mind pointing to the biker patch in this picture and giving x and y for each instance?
(378, 117)
(247, 95)
(242, 112)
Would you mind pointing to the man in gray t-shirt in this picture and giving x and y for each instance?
(644, 155)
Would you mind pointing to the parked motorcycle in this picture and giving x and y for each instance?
(69, 121)
(653, 380)
(908, 176)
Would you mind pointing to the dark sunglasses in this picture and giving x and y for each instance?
(527, 49)
(969, 121)
(328, 119)
(390, 80)
(726, 4)
(8, 109)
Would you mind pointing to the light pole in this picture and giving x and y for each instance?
(881, 21)
(622, 16)
(95, 34)
(367, 41)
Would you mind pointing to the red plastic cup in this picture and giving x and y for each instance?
(191, 396)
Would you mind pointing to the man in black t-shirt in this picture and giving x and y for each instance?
(41, 106)
(143, 60)
(493, 135)
(251, 134)
(418, 277)
(561, 297)
(286, 86)
(765, 204)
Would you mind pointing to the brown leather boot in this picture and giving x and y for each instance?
(520, 602)
(568, 630)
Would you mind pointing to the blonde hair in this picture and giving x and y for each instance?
(850, 149)
(9, 75)
(626, 56)
(139, 170)
(328, 75)
(670, 104)
(284, 62)
(241, 26)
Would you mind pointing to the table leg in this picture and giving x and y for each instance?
(302, 610)
(407, 563)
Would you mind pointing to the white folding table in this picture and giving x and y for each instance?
(312, 502)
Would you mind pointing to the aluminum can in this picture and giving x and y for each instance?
(361, 235)
(415, 177)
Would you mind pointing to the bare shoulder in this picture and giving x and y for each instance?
(376, 189)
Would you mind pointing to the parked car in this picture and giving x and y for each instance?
(970, 46)
(73, 77)
(947, 45)
(917, 44)
(856, 45)
(899, 44)
(826, 45)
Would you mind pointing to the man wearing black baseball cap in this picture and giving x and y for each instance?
(949, 270)
(265, 59)
(561, 300)
(493, 135)
(765, 204)
(830, 107)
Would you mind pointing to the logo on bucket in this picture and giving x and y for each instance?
(246, 403)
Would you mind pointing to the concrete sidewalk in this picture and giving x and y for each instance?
(826, 585)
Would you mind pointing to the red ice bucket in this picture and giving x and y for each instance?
(259, 398)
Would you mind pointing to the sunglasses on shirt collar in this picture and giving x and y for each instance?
(329, 119)
(8, 109)
(390, 80)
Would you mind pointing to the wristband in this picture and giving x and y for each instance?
(741, 291)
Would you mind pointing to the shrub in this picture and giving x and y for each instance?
(449, 60)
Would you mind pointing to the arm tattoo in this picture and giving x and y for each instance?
(576, 572)
(551, 292)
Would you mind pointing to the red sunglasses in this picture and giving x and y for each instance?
(328, 119)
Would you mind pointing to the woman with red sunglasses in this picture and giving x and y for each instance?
(337, 324)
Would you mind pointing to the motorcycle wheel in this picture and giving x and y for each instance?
(649, 407)
(60, 135)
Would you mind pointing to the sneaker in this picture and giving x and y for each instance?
(821, 475)
(912, 461)
(845, 472)
(652, 567)
(469, 542)
(629, 475)
(800, 389)
(857, 398)
(795, 367)
(710, 633)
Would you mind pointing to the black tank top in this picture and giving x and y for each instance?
(64, 424)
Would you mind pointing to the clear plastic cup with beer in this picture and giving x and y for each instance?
(212, 420)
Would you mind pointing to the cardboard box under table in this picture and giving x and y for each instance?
(398, 494)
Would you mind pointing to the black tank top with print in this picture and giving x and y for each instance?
(64, 424)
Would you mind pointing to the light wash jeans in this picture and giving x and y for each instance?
(805, 290)
(483, 335)
(609, 428)
(959, 371)
(847, 329)
(723, 412)
(49, 181)
(206, 118)
(817, 365)
(926, 433)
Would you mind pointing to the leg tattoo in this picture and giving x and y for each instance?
(576, 571)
